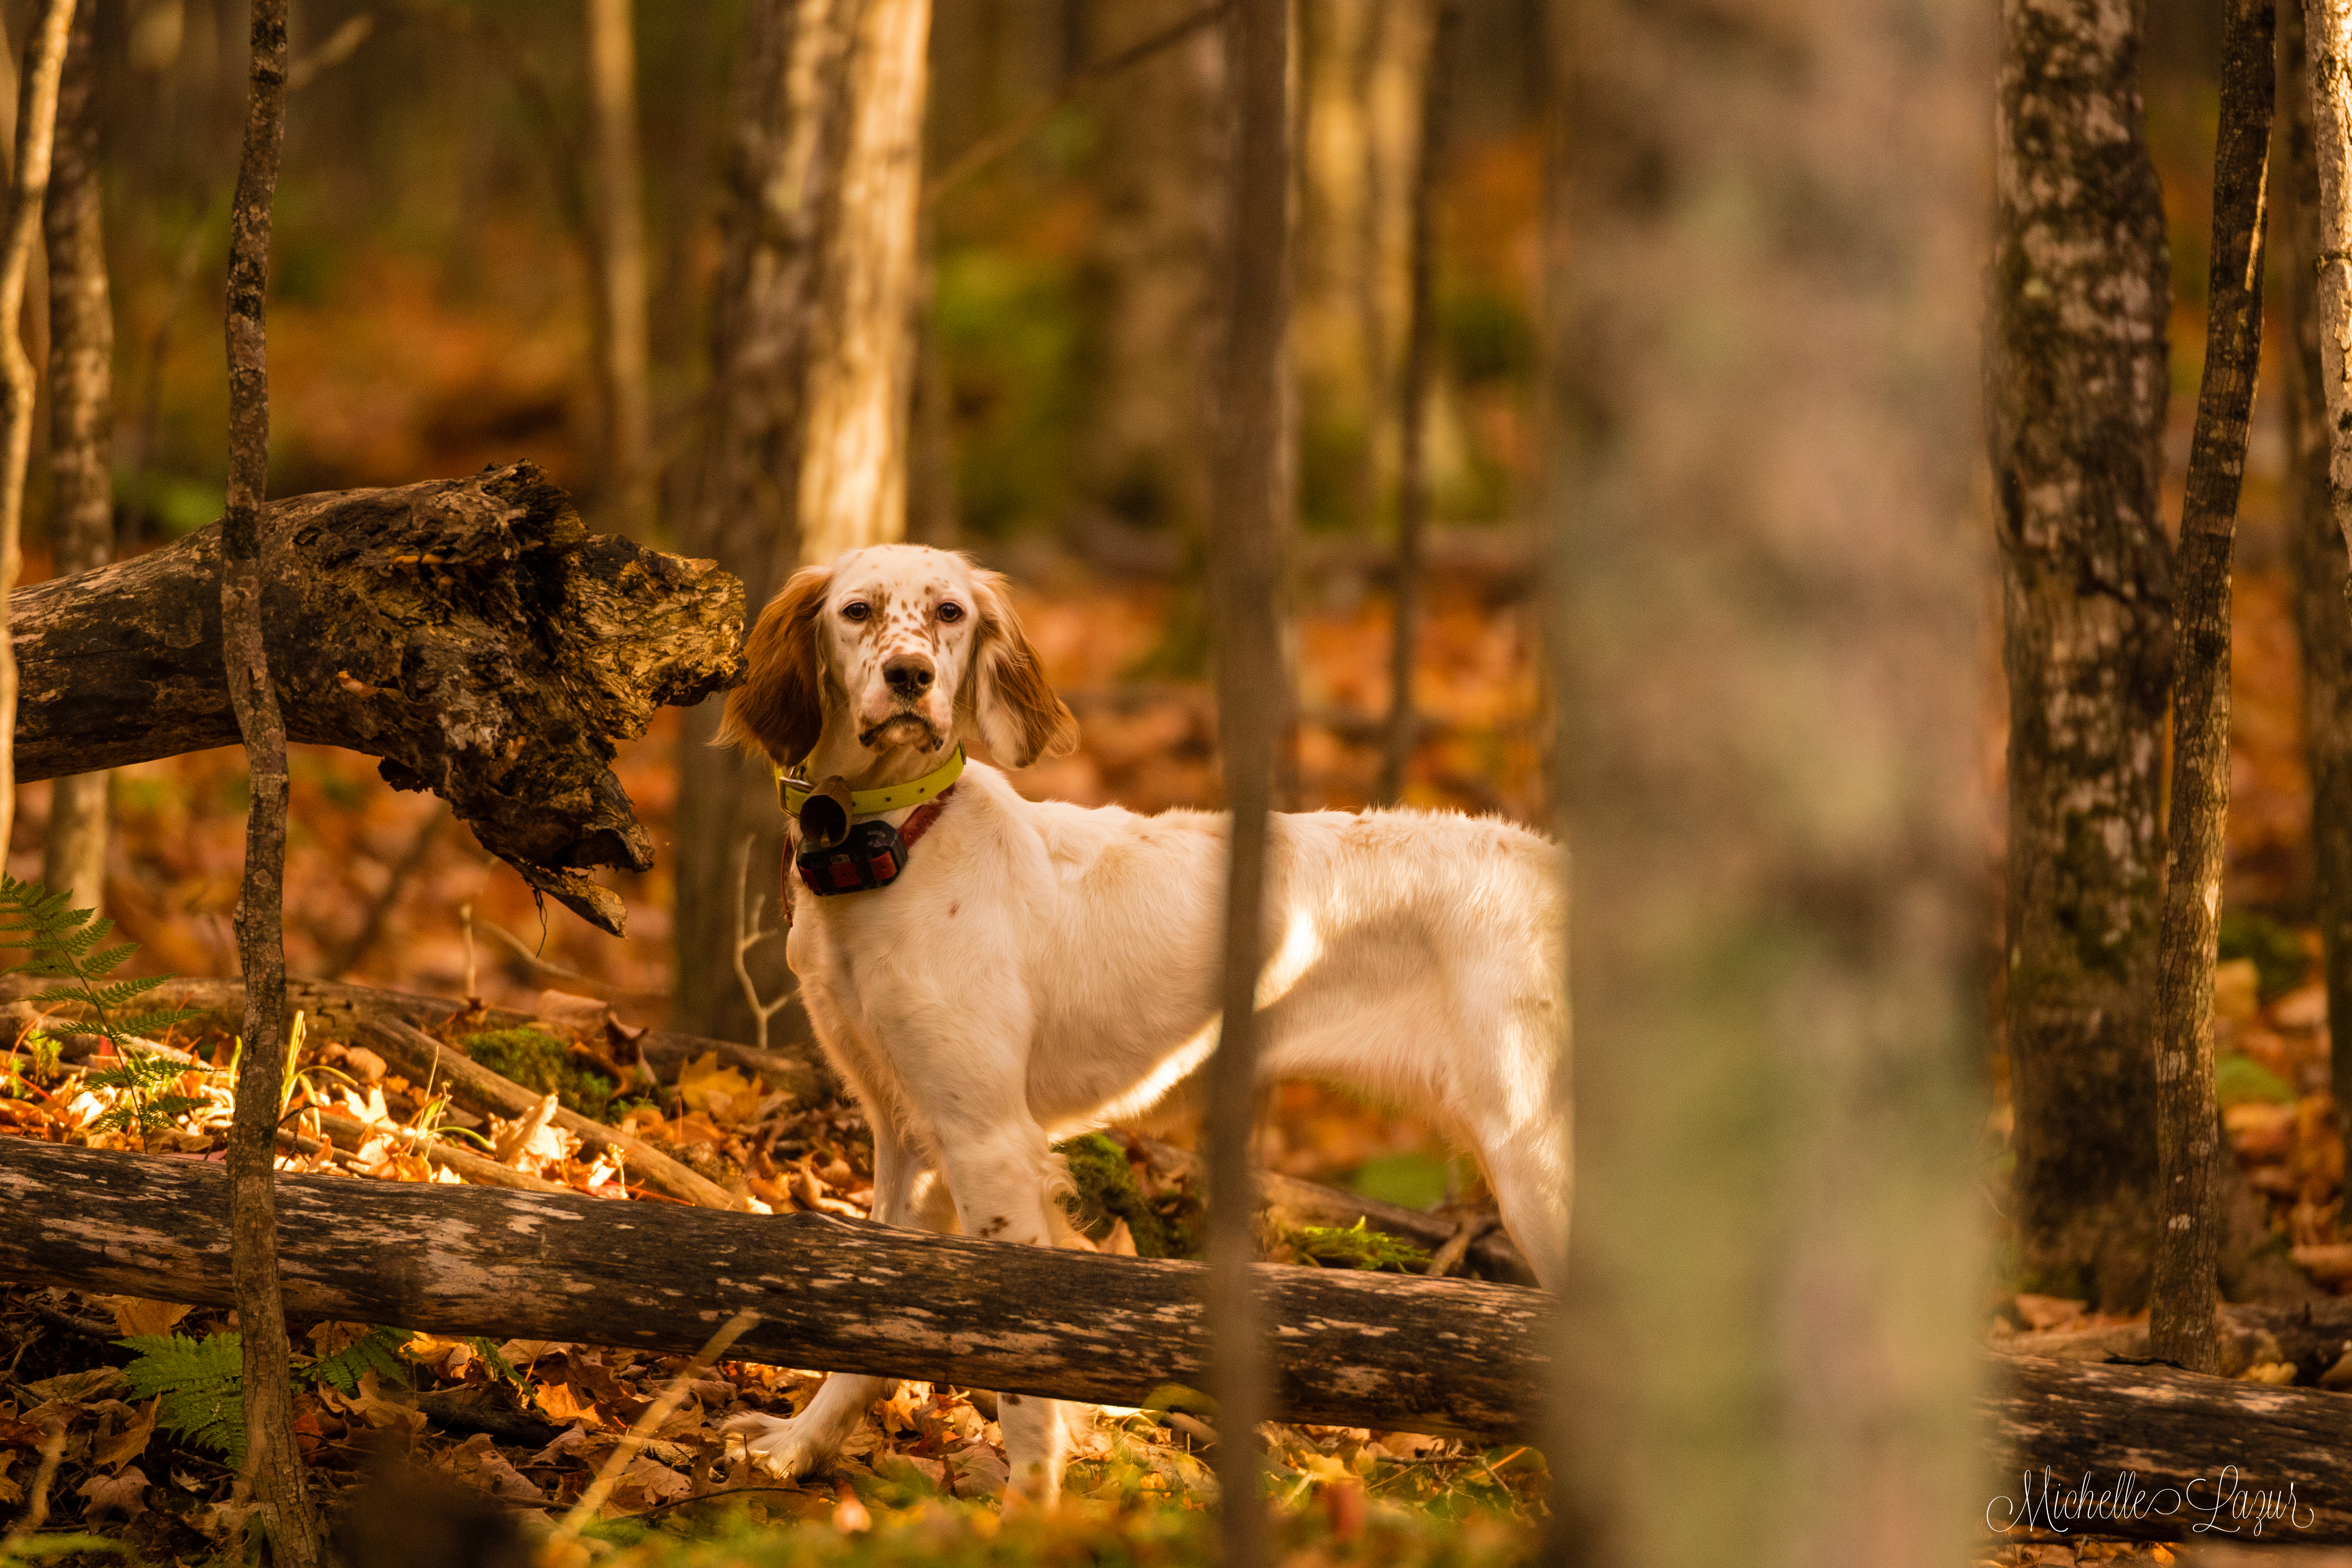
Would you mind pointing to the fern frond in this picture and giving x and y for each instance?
(375, 1351)
(202, 1386)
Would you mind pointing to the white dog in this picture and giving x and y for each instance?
(1038, 970)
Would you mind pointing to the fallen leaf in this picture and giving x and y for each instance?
(721, 1092)
(125, 1494)
(2049, 1311)
(142, 1317)
(979, 1471)
(131, 1442)
(80, 1388)
(477, 1462)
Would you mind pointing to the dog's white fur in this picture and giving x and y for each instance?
(1041, 969)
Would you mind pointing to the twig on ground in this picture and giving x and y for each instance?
(646, 1424)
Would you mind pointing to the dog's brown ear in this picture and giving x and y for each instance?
(779, 709)
(1019, 716)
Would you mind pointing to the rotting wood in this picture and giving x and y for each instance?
(2167, 1446)
(470, 634)
(1353, 1348)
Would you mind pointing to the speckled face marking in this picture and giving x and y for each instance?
(899, 623)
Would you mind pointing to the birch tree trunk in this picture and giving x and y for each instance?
(620, 238)
(2080, 292)
(1768, 651)
(2185, 1296)
(36, 122)
(273, 1461)
(812, 365)
(2315, 545)
(82, 422)
(1253, 506)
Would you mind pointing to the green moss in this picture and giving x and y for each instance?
(539, 1061)
(1107, 1191)
(2241, 1080)
(1358, 1246)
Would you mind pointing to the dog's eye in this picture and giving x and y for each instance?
(856, 610)
(950, 612)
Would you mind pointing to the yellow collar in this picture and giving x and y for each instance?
(794, 792)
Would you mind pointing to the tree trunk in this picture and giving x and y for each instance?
(35, 125)
(2190, 1150)
(1412, 399)
(619, 240)
(248, 568)
(2315, 544)
(811, 367)
(2078, 376)
(82, 422)
(1767, 653)
(469, 633)
(1358, 1349)
(1253, 502)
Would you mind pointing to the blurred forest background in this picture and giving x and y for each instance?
(432, 310)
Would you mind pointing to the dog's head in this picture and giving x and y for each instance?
(894, 646)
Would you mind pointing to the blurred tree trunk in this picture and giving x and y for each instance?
(1413, 397)
(2316, 546)
(1156, 268)
(81, 421)
(1769, 659)
(812, 365)
(620, 238)
(2080, 293)
(1363, 65)
(2184, 1296)
(1254, 503)
(35, 127)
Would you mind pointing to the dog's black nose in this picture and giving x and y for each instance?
(909, 674)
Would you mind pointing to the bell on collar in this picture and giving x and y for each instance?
(825, 816)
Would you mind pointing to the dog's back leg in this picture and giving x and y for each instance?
(905, 1192)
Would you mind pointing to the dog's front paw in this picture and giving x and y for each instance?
(786, 1449)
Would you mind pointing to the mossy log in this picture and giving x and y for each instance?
(469, 634)
(1353, 1348)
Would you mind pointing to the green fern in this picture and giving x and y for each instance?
(201, 1383)
(374, 1351)
(63, 943)
(146, 1107)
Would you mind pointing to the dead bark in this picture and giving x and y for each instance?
(1358, 1349)
(1252, 507)
(35, 125)
(1764, 629)
(82, 422)
(2184, 1297)
(273, 1462)
(1413, 402)
(2077, 378)
(620, 238)
(471, 634)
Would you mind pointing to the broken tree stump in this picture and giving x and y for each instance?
(1353, 1348)
(470, 634)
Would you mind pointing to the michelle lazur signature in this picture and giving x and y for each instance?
(2218, 1505)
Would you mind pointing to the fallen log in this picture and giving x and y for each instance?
(2153, 1454)
(470, 634)
(1353, 1348)
(2313, 1337)
(336, 1011)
